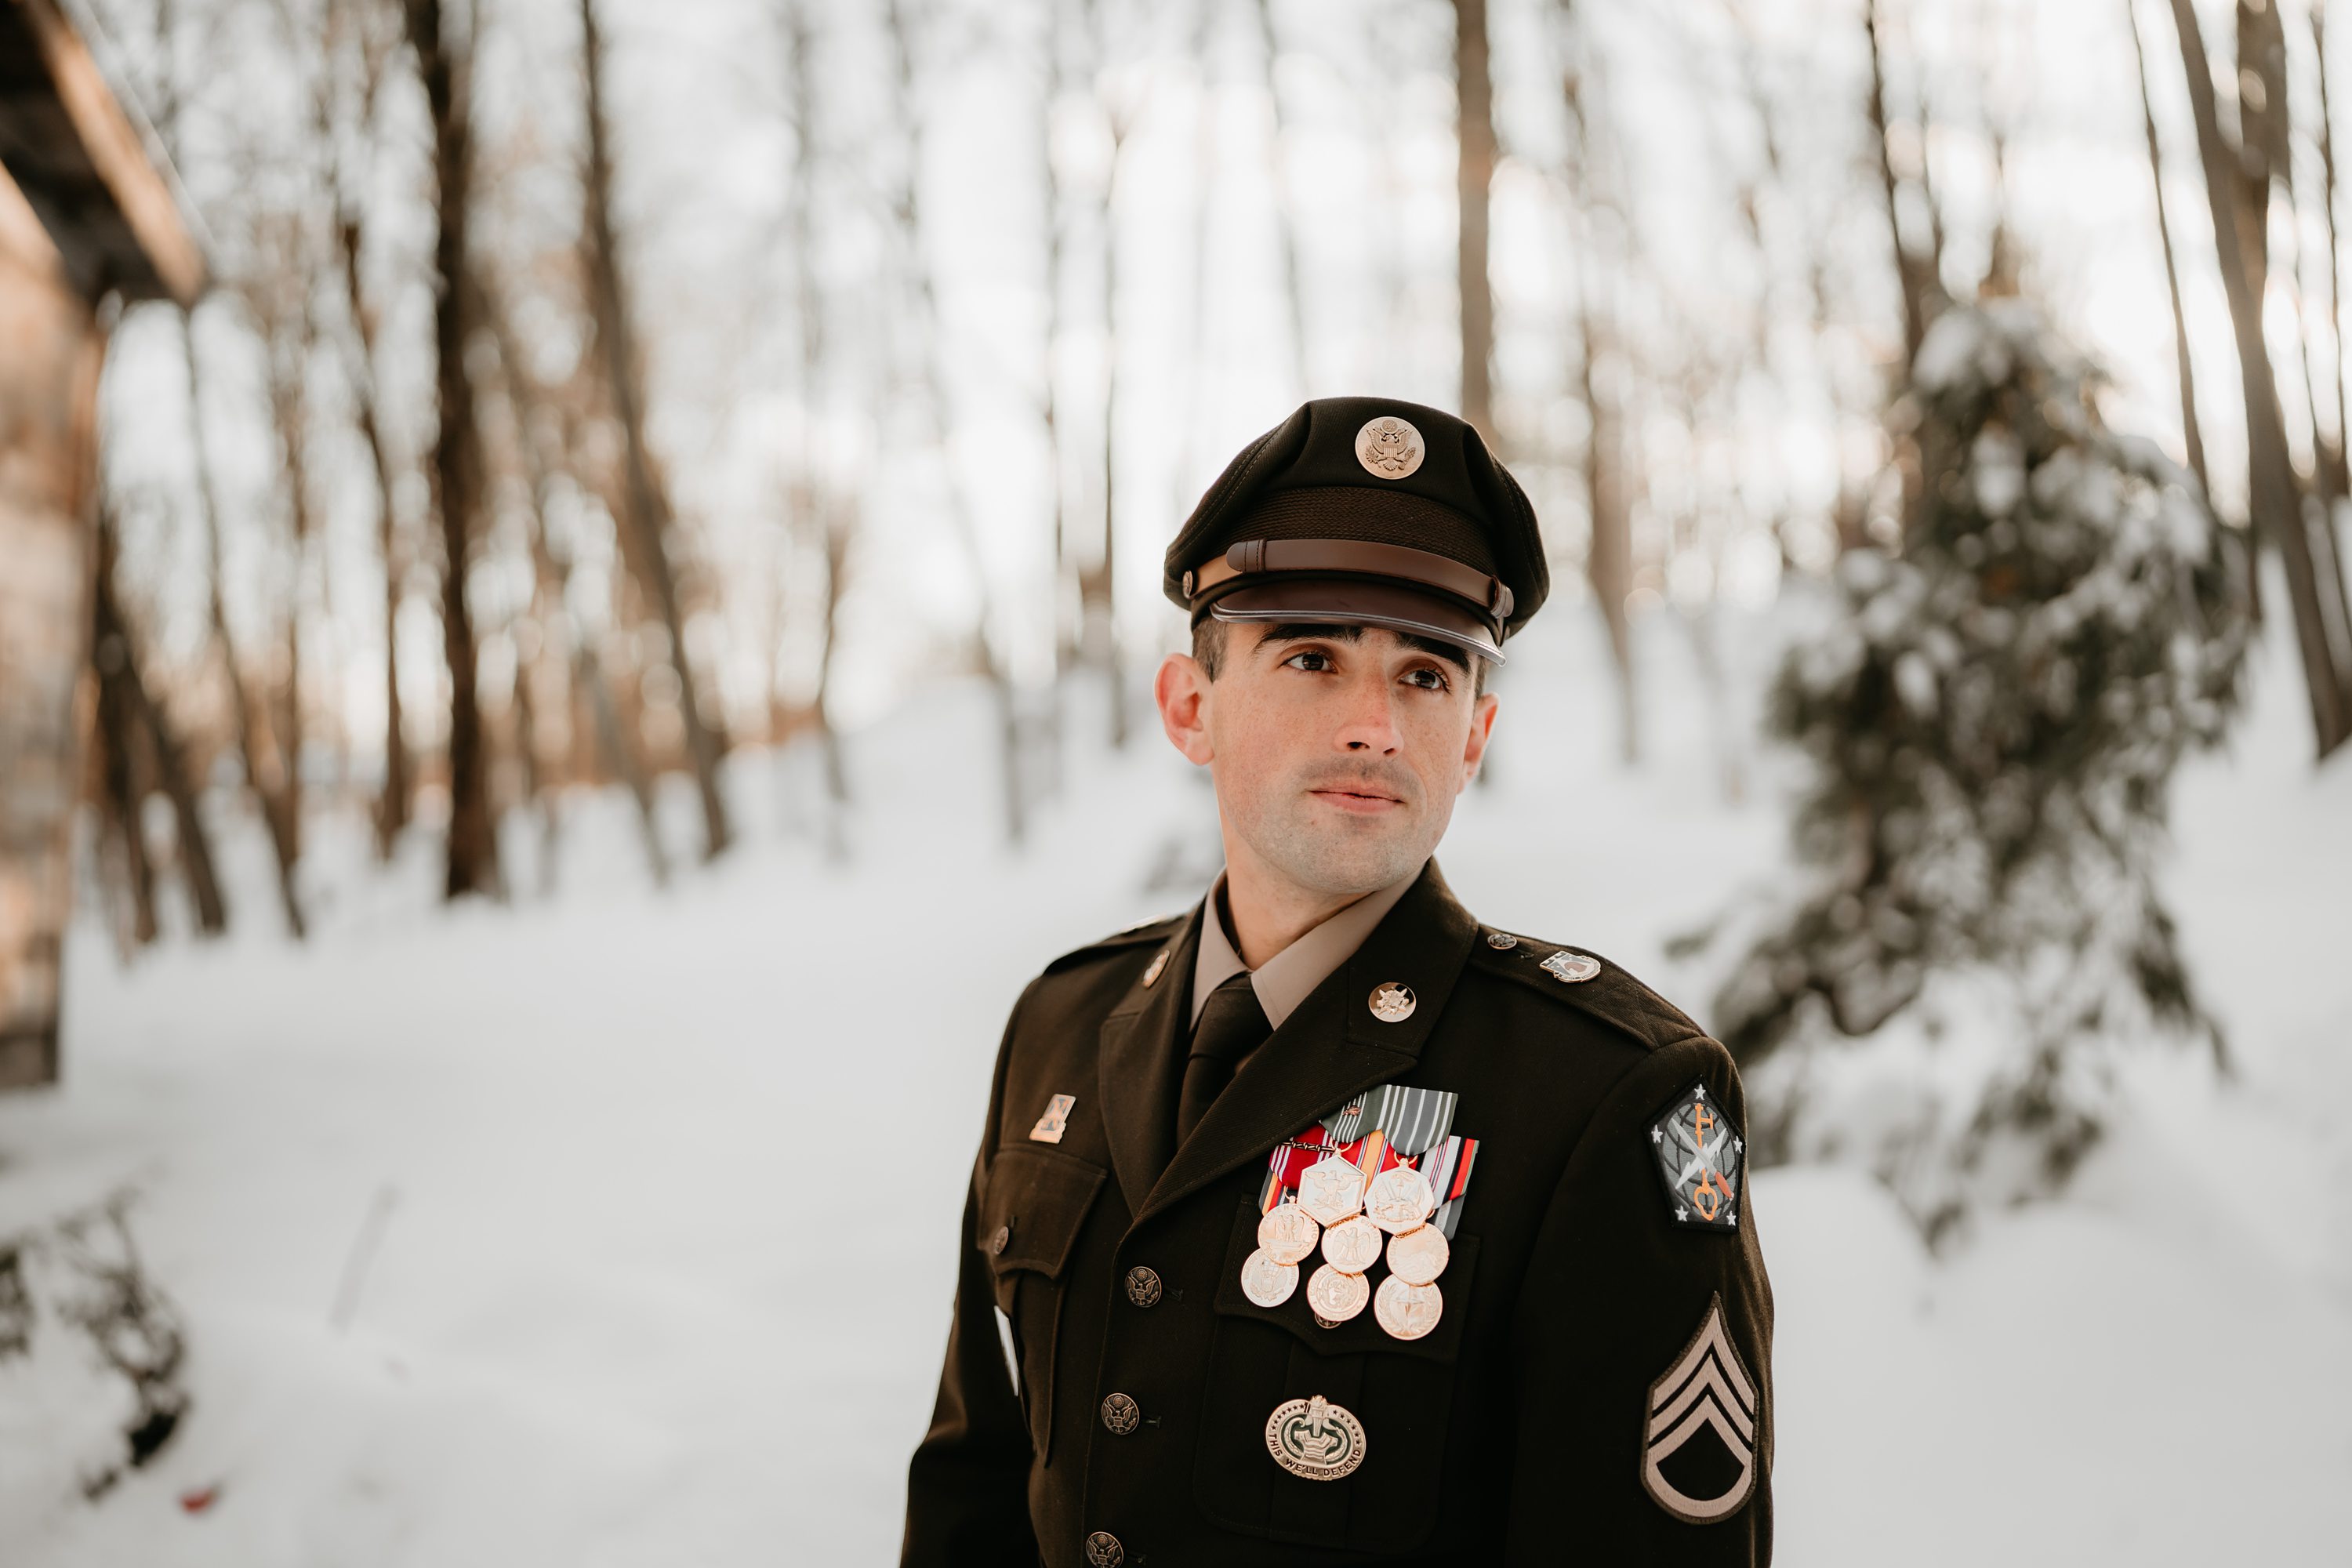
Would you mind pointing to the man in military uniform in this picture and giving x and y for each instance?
(1322, 1223)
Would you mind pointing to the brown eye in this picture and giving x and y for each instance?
(1322, 660)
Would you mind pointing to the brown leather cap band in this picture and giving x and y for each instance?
(1357, 558)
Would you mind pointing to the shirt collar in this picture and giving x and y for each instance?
(1283, 981)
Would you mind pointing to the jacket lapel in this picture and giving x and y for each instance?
(1331, 1048)
(1136, 1068)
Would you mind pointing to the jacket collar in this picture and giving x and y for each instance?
(1327, 1052)
(1136, 1068)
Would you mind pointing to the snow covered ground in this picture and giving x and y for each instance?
(674, 1176)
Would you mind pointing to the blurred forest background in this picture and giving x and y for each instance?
(728, 450)
(581, 399)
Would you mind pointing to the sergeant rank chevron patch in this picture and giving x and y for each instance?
(1698, 1456)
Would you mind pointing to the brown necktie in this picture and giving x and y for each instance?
(1232, 1025)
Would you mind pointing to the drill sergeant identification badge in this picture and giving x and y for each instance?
(1701, 1158)
(1315, 1439)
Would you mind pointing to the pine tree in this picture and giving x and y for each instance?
(1991, 724)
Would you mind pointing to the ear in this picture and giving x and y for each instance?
(1182, 688)
(1482, 729)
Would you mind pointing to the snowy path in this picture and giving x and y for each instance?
(677, 1178)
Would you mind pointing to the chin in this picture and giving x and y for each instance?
(1351, 856)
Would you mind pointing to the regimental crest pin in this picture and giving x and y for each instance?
(1571, 967)
(1390, 447)
(1315, 1439)
(1702, 1159)
(1055, 1121)
(1698, 1449)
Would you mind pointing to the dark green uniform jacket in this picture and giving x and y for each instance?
(1597, 1391)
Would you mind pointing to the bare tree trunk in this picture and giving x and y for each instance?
(145, 718)
(256, 749)
(1286, 214)
(1113, 647)
(645, 497)
(2276, 497)
(359, 355)
(1922, 292)
(829, 525)
(529, 414)
(933, 382)
(290, 338)
(456, 470)
(1475, 177)
(1066, 577)
(2191, 437)
(2342, 389)
(121, 780)
(1609, 550)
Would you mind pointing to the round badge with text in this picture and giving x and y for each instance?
(1315, 1439)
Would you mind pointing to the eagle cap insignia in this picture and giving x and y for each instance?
(1702, 1159)
(1315, 1439)
(1699, 1442)
(1390, 447)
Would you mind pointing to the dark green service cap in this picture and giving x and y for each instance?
(1366, 511)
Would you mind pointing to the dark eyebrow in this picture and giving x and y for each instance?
(1316, 631)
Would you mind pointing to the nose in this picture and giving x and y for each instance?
(1369, 726)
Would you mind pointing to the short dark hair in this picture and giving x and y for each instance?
(1209, 636)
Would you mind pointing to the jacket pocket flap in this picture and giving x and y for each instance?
(1032, 1207)
(1362, 1333)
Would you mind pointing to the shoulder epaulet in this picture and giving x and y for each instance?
(1133, 936)
(1584, 979)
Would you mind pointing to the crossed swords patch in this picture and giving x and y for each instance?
(1701, 1157)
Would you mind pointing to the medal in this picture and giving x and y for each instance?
(1288, 1234)
(1268, 1281)
(1418, 1255)
(1331, 1190)
(1339, 1297)
(1407, 1310)
(1352, 1245)
(1400, 1198)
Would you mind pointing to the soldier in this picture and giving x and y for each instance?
(1322, 1223)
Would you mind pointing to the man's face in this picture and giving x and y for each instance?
(1337, 751)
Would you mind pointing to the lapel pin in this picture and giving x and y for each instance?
(1159, 963)
(1055, 1121)
(1392, 1002)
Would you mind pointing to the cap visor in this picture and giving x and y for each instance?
(1353, 603)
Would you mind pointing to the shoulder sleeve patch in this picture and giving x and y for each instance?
(1133, 936)
(1702, 1158)
(1699, 1443)
(1587, 982)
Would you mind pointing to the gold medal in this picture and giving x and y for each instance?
(1399, 1199)
(1267, 1281)
(1336, 1296)
(1352, 1245)
(1331, 1190)
(1288, 1234)
(1405, 1309)
(1418, 1255)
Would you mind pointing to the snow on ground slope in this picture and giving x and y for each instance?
(676, 1176)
